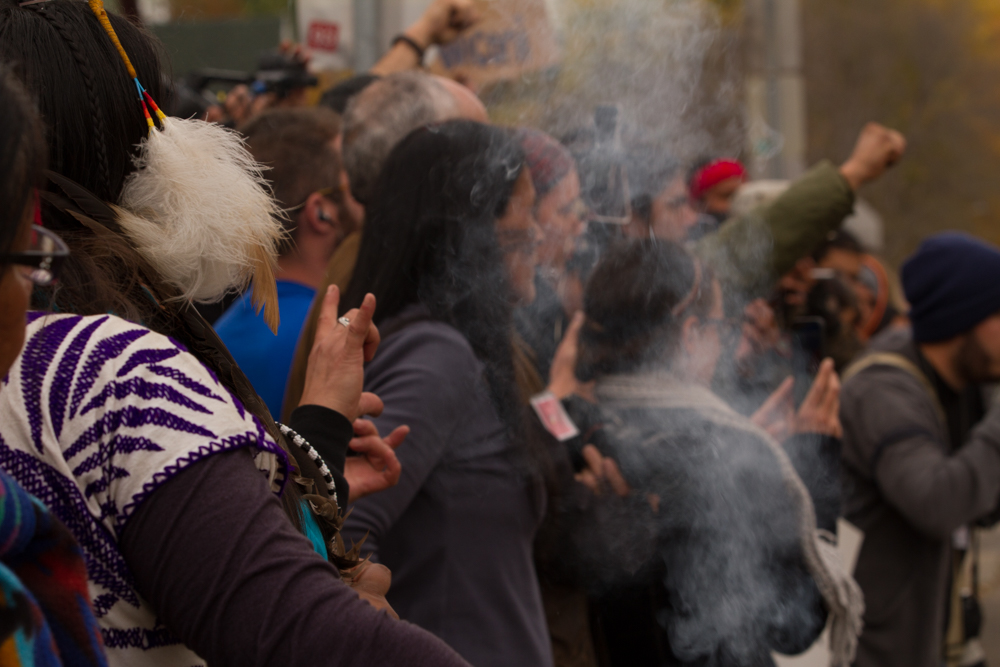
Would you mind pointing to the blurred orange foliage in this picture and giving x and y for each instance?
(931, 69)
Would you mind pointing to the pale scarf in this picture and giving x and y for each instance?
(842, 595)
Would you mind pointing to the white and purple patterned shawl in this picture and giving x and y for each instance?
(95, 415)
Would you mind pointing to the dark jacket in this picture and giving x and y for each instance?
(457, 531)
(909, 485)
(728, 583)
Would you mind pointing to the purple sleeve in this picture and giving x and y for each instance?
(214, 554)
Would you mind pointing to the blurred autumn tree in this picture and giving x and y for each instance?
(219, 9)
(672, 66)
(931, 69)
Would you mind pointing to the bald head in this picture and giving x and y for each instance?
(469, 106)
(381, 115)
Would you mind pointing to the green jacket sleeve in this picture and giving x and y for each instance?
(750, 253)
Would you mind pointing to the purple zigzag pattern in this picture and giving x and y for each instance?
(149, 356)
(244, 413)
(35, 314)
(63, 380)
(119, 444)
(131, 417)
(138, 638)
(184, 381)
(248, 439)
(176, 343)
(261, 433)
(100, 486)
(137, 386)
(109, 508)
(105, 565)
(214, 376)
(35, 361)
(103, 603)
(238, 403)
(105, 350)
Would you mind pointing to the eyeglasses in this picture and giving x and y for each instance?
(44, 256)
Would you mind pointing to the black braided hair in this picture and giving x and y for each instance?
(63, 55)
(57, 22)
(87, 100)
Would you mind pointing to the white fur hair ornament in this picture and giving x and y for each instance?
(197, 207)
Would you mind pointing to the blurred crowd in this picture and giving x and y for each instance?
(374, 381)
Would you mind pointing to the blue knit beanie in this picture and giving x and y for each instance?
(952, 283)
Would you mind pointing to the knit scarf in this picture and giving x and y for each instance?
(45, 614)
(842, 595)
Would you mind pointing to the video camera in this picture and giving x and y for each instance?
(276, 73)
(280, 73)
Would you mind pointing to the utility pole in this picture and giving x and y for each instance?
(776, 88)
(367, 19)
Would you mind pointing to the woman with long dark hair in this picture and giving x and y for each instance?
(560, 214)
(44, 605)
(449, 250)
(743, 564)
(127, 416)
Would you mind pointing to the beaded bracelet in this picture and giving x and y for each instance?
(311, 452)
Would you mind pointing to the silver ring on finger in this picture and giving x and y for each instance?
(346, 322)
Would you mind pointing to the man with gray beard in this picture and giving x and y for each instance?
(921, 454)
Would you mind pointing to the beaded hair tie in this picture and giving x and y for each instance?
(197, 205)
(97, 6)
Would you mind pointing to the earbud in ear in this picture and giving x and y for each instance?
(324, 216)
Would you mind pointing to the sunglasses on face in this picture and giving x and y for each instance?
(43, 258)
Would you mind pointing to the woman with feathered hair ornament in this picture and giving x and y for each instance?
(127, 415)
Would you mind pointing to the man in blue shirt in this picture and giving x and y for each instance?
(300, 147)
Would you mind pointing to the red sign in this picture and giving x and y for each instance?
(323, 36)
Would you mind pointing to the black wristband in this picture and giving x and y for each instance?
(412, 43)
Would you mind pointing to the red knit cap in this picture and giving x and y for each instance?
(547, 159)
(714, 173)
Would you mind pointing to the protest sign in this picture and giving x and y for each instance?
(326, 29)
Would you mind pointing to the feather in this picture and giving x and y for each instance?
(99, 230)
(88, 203)
(198, 209)
(265, 290)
